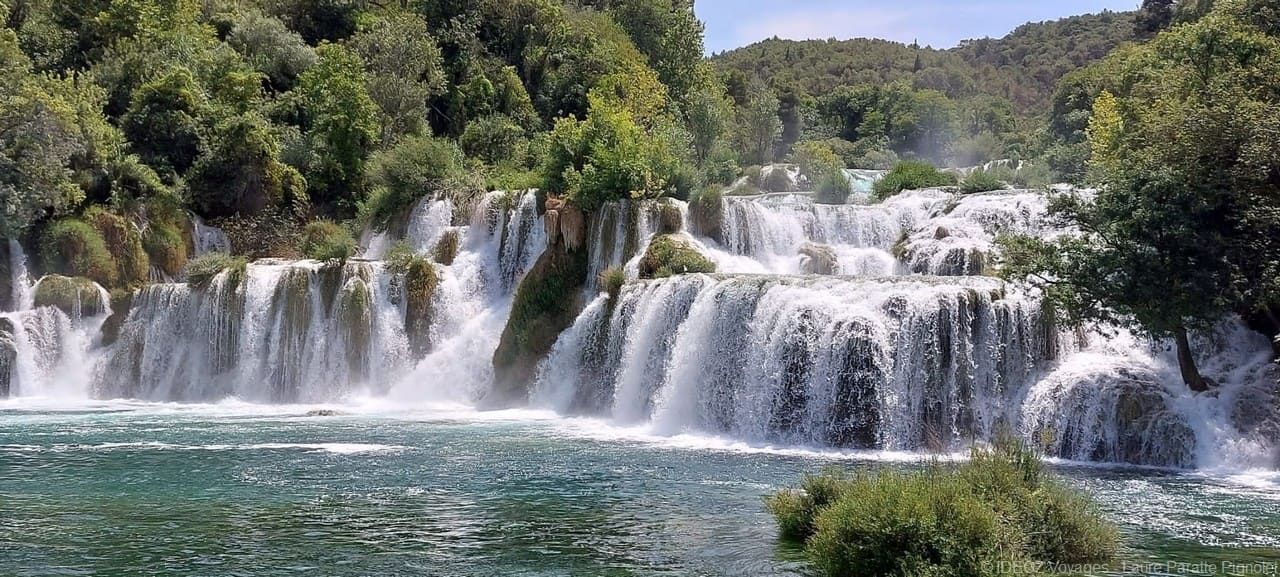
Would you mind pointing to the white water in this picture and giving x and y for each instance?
(21, 283)
(880, 358)
(207, 238)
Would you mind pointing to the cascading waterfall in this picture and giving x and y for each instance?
(892, 355)
(885, 364)
(20, 282)
(207, 238)
(44, 351)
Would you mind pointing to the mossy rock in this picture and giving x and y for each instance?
(71, 247)
(71, 295)
(124, 242)
(202, 270)
(166, 247)
(670, 221)
(355, 315)
(121, 302)
(446, 250)
(706, 214)
(778, 180)
(668, 256)
(6, 281)
(546, 303)
(420, 283)
(819, 259)
(8, 356)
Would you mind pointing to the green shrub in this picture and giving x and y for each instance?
(200, 271)
(978, 518)
(399, 257)
(415, 167)
(325, 241)
(777, 181)
(612, 280)
(419, 289)
(74, 248)
(72, 295)
(446, 249)
(834, 188)
(911, 175)
(981, 181)
(166, 247)
(669, 256)
(274, 232)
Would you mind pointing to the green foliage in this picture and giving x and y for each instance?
(344, 124)
(418, 281)
(200, 271)
(984, 517)
(271, 48)
(74, 296)
(1180, 231)
(328, 241)
(74, 248)
(758, 124)
(668, 256)
(240, 172)
(493, 139)
(911, 175)
(163, 121)
(124, 244)
(272, 233)
(166, 247)
(981, 180)
(612, 280)
(777, 180)
(415, 167)
(405, 71)
(446, 250)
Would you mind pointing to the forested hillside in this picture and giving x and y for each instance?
(982, 100)
(119, 118)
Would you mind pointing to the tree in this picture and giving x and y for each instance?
(271, 48)
(163, 121)
(241, 172)
(405, 71)
(342, 120)
(709, 115)
(1154, 16)
(758, 124)
(1181, 231)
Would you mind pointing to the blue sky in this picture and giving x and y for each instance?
(939, 23)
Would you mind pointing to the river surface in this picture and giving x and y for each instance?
(117, 488)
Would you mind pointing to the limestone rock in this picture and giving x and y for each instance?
(573, 228)
(819, 259)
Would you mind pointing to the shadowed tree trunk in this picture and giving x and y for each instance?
(1187, 363)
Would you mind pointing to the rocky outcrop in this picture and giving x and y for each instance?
(818, 259)
(74, 296)
(546, 303)
(8, 356)
(6, 281)
(706, 215)
(565, 224)
(670, 255)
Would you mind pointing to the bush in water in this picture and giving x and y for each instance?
(669, 256)
(979, 518)
(201, 270)
(911, 175)
(326, 241)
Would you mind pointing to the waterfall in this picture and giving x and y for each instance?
(892, 364)
(45, 352)
(21, 283)
(207, 238)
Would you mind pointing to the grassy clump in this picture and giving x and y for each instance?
(446, 249)
(980, 518)
(669, 256)
(418, 283)
(74, 296)
(123, 241)
(328, 241)
(911, 175)
(74, 248)
(201, 270)
(611, 280)
(166, 247)
(981, 181)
